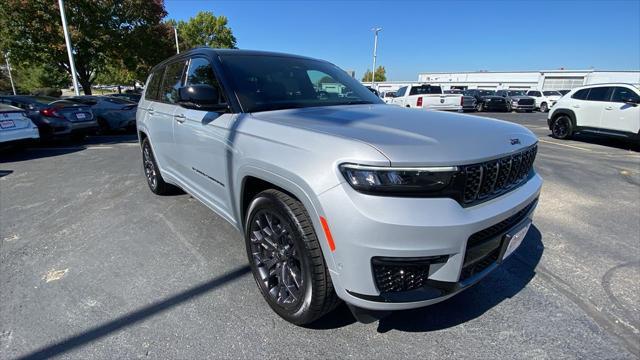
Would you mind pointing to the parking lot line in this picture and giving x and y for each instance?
(567, 145)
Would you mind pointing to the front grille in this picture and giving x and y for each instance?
(398, 274)
(526, 101)
(484, 246)
(492, 178)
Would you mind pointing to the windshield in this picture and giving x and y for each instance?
(551, 93)
(516, 93)
(486, 92)
(264, 83)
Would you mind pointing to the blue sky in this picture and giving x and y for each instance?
(421, 36)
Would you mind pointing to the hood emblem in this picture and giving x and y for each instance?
(515, 141)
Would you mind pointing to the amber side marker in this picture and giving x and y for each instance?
(327, 233)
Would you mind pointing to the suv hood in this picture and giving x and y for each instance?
(410, 136)
(518, 97)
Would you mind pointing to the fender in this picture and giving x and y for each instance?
(299, 189)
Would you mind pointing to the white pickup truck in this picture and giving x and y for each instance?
(427, 97)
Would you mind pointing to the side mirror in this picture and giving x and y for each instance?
(201, 97)
(632, 102)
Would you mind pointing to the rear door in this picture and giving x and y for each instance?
(618, 114)
(203, 145)
(591, 109)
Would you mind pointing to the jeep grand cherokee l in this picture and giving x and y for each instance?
(384, 207)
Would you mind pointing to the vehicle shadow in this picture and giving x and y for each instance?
(134, 317)
(622, 144)
(507, 281)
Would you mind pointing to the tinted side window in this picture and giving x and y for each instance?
(581, 94)
(200, 72)
(401, 91)
(172, 82)
(600, 94)
(621, 94)
(151, 92)
(534, 93)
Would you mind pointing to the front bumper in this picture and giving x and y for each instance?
(523, 107)
(365, 227)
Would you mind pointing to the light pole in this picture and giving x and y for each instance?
(375, 30)
(175, 32)
(6, 58)
(67, 40)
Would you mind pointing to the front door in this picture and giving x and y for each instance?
(619, 113)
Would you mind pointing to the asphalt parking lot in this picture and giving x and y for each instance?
(93, 265)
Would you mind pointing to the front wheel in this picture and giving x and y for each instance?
(543, 107)
(561, 127)
(286, 259)
(479, 107)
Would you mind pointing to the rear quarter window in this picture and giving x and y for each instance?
(151, 93)
(580, 94)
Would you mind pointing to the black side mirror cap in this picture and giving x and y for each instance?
(201, 97)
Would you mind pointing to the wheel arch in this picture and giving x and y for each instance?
(567, 112)
(253, 180)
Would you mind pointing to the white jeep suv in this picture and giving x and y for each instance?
(610, 109)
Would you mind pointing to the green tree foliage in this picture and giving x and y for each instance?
(205, 29)
(131, 31)
(381, 75)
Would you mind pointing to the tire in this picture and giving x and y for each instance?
(543, 107)
(509, 109)
(152, 172)
(561, 128)
(480, 107)
(292, 252)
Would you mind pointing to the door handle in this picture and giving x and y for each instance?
(609, 108)
(180, 118)
(151, 111)
(576, 106)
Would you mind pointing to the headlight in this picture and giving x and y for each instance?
(514, 101)
(398, 180)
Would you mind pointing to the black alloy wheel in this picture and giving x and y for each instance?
(561, 128)
(286, 258)
(276, 259)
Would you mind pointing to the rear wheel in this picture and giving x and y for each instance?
(286, 259)
(561, 127)
(152, 172)
(543, 107)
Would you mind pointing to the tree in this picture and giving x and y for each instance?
(130, 31)
(205, 29)
(381, 75)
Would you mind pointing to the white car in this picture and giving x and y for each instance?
(610, 109)
(15, 126)
(544, 99)
(425, 96)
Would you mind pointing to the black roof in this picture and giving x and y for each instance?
(228, 52)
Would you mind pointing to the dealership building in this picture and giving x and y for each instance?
(521, 80)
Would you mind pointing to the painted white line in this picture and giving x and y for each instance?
(566, 145)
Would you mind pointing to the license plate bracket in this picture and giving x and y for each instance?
(513, 239)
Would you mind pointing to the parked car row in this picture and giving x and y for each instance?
(433, 97)
(73, 117)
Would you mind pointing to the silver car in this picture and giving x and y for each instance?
(338, 197)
